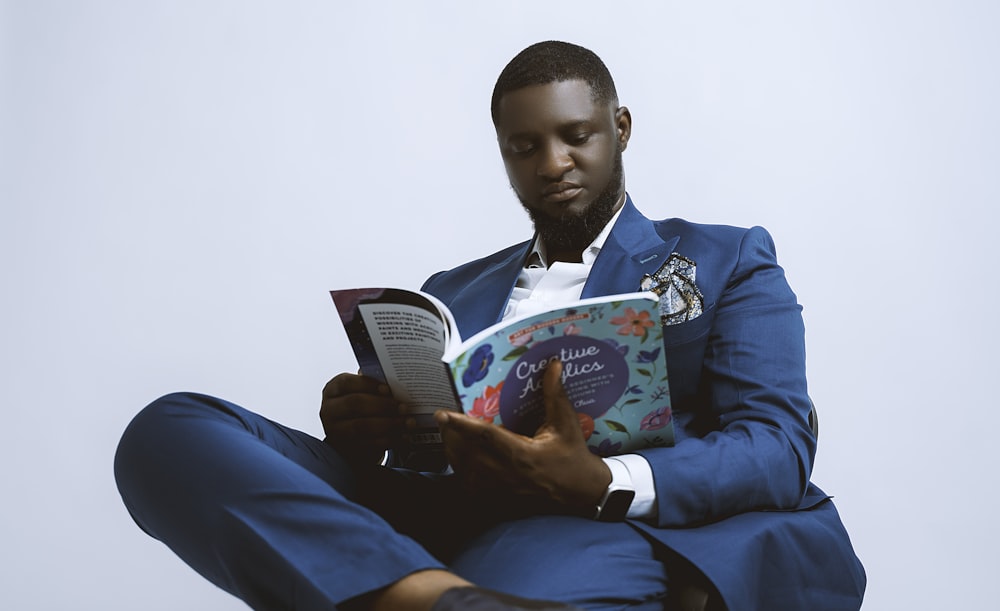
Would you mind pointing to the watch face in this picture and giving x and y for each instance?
(616, 507)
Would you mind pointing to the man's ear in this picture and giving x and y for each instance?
(623, 124)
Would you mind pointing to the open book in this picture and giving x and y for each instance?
(614, 368)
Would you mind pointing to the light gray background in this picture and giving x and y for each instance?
(182, 182)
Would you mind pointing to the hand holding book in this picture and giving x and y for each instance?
(361, 417)
(613, 367)
(551, 470)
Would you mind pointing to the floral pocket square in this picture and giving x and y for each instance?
(680, 299)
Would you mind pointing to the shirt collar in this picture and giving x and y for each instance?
(537, 256)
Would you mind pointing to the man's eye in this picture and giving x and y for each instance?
(580, 138)
(521, 149)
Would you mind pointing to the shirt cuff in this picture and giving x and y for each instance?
(633, 470)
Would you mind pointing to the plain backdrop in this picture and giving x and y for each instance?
(181, 182)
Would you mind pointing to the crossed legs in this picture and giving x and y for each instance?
(276, 517)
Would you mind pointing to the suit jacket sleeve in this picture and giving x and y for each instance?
(739, 394)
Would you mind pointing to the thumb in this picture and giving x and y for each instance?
(559, 414)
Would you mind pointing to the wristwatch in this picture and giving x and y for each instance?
(614, 505)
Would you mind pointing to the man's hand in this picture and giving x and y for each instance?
(552, 471)
(360, 417)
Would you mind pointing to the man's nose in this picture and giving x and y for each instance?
(555, 162)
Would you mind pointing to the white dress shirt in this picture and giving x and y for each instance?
(542, 287)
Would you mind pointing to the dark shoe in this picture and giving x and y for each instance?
(469, 598)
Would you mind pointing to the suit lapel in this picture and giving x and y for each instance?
(632, 249)
(482, 302)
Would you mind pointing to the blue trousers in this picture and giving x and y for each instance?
(277, 518)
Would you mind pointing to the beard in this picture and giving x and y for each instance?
(576, 232)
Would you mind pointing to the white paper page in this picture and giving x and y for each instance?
(409, 344)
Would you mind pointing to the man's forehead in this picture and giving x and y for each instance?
(558, 101)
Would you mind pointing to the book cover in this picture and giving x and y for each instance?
(614, 372)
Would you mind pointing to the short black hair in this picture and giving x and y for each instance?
(554, 61)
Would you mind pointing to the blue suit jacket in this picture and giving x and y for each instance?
(733, 494)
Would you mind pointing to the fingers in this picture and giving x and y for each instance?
(479, 452)
(553, 469)
(352, 384)
(559, 413)
(361, 411)
(471, 443)
(354, 396)
(485, 436)
(561, 421)
(463, 436)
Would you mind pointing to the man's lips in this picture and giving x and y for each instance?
(560, 192)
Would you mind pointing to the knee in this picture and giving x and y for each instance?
(158, 449)
(149, 424)
(135, 456)
(153, 435)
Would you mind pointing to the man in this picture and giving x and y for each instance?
(725, 518)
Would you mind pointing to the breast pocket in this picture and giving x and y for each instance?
(689, 331)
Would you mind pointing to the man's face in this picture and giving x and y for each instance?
(562, 151)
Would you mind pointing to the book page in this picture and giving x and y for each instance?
(409, 342)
